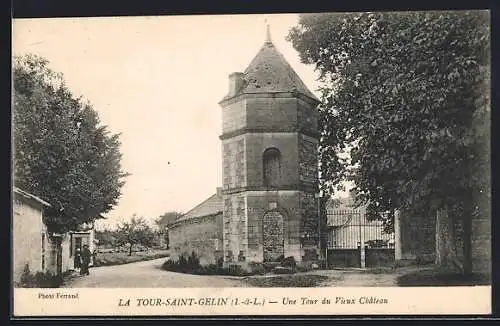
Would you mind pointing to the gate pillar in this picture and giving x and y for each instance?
(398, 253)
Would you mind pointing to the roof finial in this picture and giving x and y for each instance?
(268, 32)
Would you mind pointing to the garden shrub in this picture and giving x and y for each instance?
(289, 262)
(39, 279)
(257, 268)
(284, 270)
(191, 265)
(211, 269)
(269, 266)
(220, 261)
(303, 268)
(193, 262)
(184, 264)
(236, 270)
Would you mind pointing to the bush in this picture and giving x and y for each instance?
(284, 270)
(289, 262)
(191, 265)
(287, 281)
(236, 270)
(269, 266)
(257, 268)
(193, 262)
(303, 268)
(220, 261)
(211, 269)
(39, 279)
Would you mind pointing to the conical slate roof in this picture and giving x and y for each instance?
(269, 72)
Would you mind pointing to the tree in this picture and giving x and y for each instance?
(106, 237)
(406, 95)
(164, 221)
(136, 231)
(61, 152)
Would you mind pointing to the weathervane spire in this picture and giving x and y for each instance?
(268, 32)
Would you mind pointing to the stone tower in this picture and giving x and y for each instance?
(270, 176)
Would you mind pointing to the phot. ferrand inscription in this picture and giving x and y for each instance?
(58, 295)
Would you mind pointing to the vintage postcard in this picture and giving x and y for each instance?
(285, 164)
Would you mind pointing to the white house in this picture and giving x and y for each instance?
(29, 234)
(33, 246)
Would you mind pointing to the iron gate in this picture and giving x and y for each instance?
(353, 241)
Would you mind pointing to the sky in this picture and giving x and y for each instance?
(158, 81)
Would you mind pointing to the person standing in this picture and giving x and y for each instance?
(77, 262)
(86, 256)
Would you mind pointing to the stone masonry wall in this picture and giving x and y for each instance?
(481, 244)
(418, 236)
(307, 117)
(200, 235)
(256, 144)
(233, 117)
(234, 163)
(273, 236)
(27, 229)
(271, 113)
(308, 162)
(235, 227)
(309, 215)
(287, 203)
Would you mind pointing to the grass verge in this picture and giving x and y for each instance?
(440, 277)
(120, 258)
(286, 281)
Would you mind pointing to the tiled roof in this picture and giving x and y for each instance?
(269, 72)
(210, 206)
(30, 196)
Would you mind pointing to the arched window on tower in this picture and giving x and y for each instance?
(272, 165)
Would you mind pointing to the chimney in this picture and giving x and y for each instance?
(219, 191)
(236, 81)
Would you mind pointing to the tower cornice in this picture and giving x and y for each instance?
(228, 101)
(243, 131)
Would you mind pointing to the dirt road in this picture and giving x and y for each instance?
(146, 274)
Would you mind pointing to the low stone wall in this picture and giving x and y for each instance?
(379, 257)
(343, 258)
(481, 244)
(200, 235)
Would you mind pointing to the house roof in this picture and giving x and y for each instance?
(269, 72)
(211, 206)
(30, 196)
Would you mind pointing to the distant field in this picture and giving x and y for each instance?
(107, 257)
